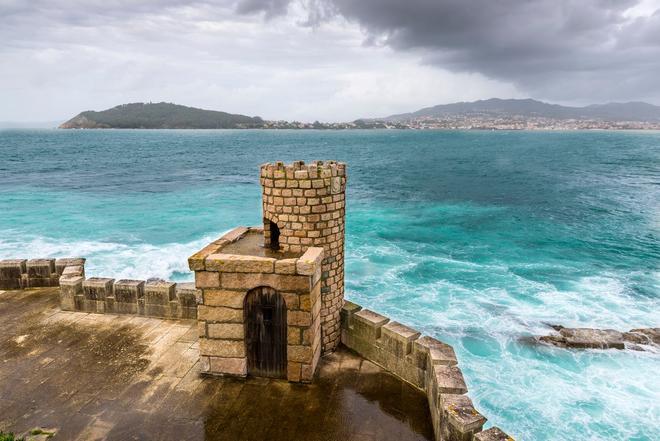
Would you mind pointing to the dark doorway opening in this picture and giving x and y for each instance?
(274, 236)
(265, 333)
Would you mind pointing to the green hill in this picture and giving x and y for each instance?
(633, 111)
(160, 116)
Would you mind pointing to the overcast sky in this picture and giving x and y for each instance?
(331, 60)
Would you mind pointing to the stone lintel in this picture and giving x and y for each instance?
(308, 263)
(279, 282)
(238, 263)
(460, 413)
(449, 380)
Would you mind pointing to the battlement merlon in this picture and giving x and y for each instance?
(315, 170)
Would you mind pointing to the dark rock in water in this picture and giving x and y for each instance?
(589, 338)
(652, 335)
(553, 326)
(586, 338)
(155, 279)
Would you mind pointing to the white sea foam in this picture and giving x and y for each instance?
(581, 392)
(112, 259)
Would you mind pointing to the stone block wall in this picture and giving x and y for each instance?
(101, 295)
(423, 361)
(225, 280)
(35, 273)
(307, 203)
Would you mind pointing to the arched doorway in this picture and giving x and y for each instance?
(265, 332)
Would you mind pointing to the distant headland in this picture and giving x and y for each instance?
(160, 116)
(492, 114)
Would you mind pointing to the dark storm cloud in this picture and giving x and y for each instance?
(559, 49)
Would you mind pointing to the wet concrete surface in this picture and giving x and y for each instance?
(110, 377)
(252, 244)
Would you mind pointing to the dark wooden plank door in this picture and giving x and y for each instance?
(265, 333)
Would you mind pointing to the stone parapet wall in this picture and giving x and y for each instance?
(307, 203)
(151, 298)
(35, 273)
(423, 361)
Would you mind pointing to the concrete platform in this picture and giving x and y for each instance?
(96, 377)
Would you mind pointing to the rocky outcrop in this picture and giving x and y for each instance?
(82, 122)
(590, 338)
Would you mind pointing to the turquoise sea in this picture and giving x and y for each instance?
(478, 238)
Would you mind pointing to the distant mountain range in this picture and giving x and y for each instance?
(160, 116)
(494, 107)
(485, 114)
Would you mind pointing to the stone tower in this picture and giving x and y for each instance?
(304, 206)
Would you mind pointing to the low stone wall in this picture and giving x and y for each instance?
(35, 273)
(152, 298)
(424, 362)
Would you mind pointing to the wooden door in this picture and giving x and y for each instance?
(265, 333)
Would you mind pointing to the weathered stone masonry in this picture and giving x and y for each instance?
(306, 202)
(36, 273)
(426, 363)
(227, 277)
(151, 298)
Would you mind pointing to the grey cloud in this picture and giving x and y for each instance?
(271, 8)
(555, 49)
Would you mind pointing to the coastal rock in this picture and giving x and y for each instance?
(648, 335)
(590, 338)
